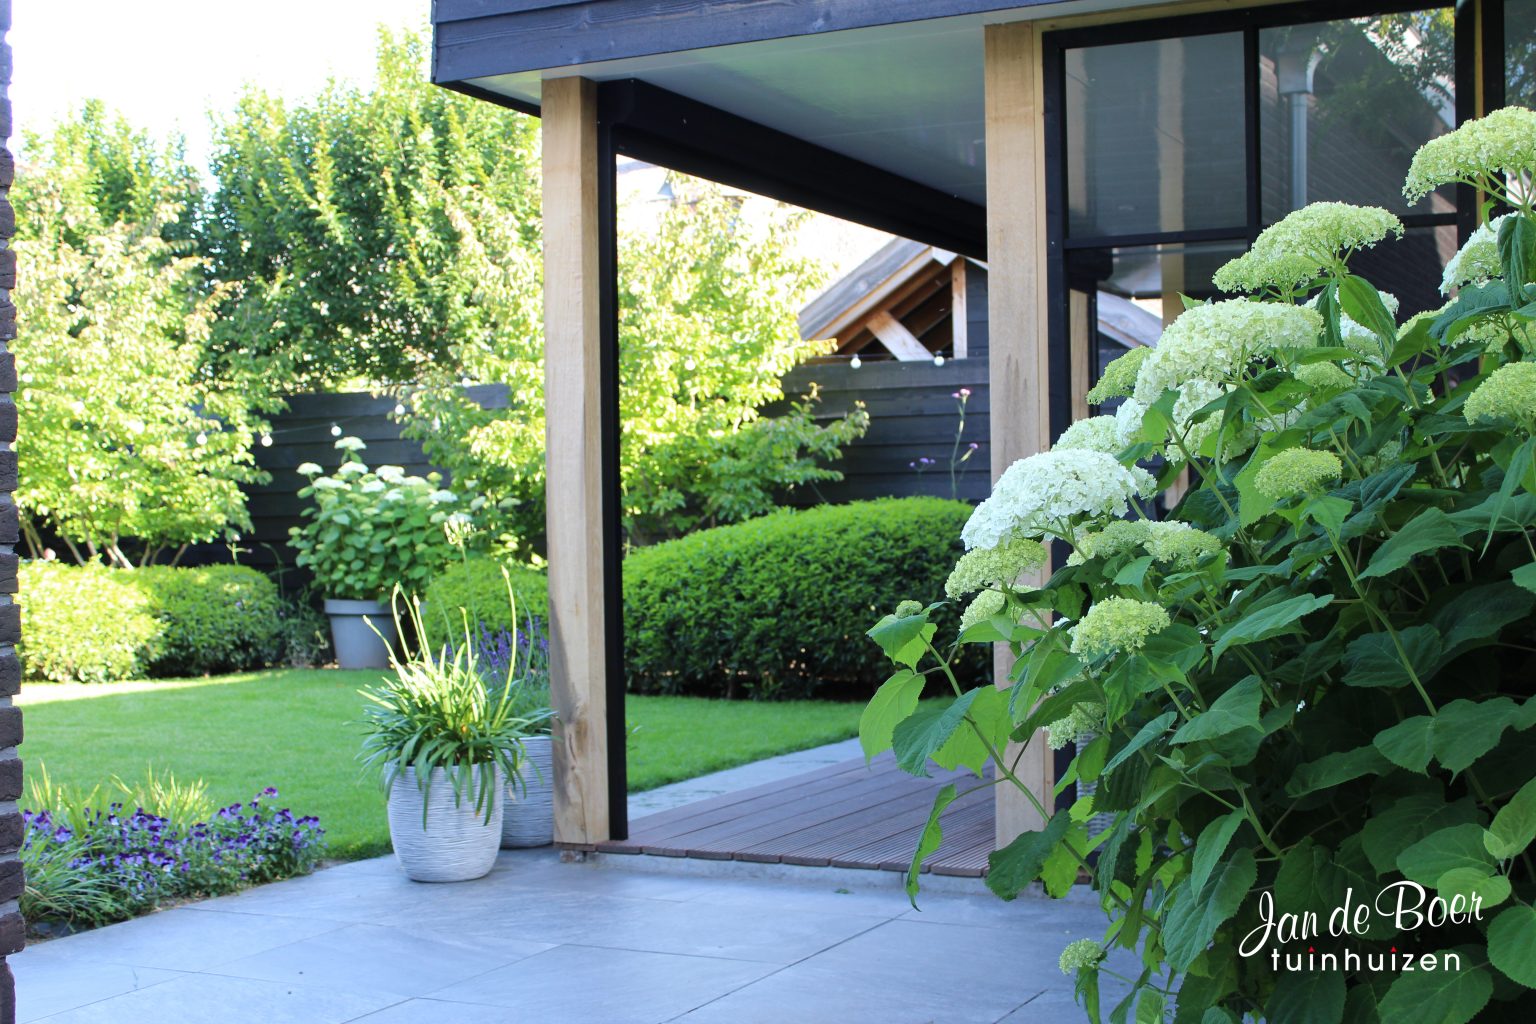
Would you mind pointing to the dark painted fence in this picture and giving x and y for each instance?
(912, 409)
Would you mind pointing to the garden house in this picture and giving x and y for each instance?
(1078, 147)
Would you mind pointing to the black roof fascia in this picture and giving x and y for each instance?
(661, 127)
(482, 38)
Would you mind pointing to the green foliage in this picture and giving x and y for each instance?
(1340, 700)
(127, 435)
(370, 530)
(216, 618)
(372, 231)
(476, 586)
(92, 624)
(775, 606)
(707, 329)
(82, 625)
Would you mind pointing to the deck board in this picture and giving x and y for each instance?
(845, 815)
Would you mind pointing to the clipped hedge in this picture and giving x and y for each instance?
(92, 624)
(778, 607)
(475, 584)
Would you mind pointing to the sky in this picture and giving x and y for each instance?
(166, 63)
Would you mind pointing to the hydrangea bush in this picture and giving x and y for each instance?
(1316, 679)
(372, 529)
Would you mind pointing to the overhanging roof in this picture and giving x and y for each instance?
(894, 86)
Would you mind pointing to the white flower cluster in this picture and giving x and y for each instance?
(1481, 153)
(1047, 493)
(1216, 342)
(1304, 244)
(1478, 260)
(1094, 434)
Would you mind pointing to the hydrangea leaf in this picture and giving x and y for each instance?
(1460, 846)
(1238, 708)
(933, 835)
(1408, 744)
(1525, 576)
(1488, 888)
(1372, 660)
(1306, 997)
(1211, 846)
(1335, 769)
(1428, 531)
(1267, 622)
(1514, 827)
(904, 639)
(1012, 868)
(1438, 997)
(1512, 943)
(1362, 303)
(1151, 731)
(1465, 730)
(893, 703)
(1191, 924)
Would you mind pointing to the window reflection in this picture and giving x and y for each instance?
(1344, 105)
(1520, 52)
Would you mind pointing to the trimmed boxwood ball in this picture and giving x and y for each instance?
(216, 618)
(92, 624)
(778, 607)
(476, 585)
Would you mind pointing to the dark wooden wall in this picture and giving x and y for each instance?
(912, 411)
(13, 929)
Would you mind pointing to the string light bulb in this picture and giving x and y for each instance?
(266, 440)
(335, 430)
(938, 360)
(855, 362)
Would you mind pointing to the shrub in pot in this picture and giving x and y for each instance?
(368, 531)
(445, 744)
(529, 819)
(1311, 687)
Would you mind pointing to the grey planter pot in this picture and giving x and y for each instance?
(529, 817)
(457, 844)
(357, 645)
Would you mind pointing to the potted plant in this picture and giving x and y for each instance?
(367, 531)
(529, 817)
(445, 744)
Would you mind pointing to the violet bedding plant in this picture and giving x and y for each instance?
(89, 864)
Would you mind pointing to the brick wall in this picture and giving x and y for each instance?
(12, 929)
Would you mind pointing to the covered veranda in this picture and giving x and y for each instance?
(1079, 147)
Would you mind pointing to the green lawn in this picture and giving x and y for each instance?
(296, 730)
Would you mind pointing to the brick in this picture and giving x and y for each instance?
(11, 827)
(13, 932)
(7, 471)
(7, 219)
(7, 319)
(7, 994)
(12, 879)
(7, 268)
(10, 783)
(10, 629)
(7, 168)
(5, 118)
(10, 674)
(10, 731)
(8, 563)
(7, 372)
(10, 525)
(7, 421)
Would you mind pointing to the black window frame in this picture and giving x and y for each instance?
(1470, 17)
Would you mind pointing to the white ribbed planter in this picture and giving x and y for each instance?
(457, 844)
(529, 815)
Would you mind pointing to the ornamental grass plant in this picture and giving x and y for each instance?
(1316, 680)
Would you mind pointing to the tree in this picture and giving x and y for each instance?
(123, 434)
(367, 233)
(708, 304)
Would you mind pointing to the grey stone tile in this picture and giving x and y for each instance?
(587, 985)
(186, 940)
(347, 898)
(210, 999)
(874, 900)
(371, 958)
(1068, 919)
(47, 983)
(440, 1011)
(809, 993)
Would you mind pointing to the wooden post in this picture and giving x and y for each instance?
(573, 452)
(959, 327)
(1018, 354)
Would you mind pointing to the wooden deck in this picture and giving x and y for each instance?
(847, 816)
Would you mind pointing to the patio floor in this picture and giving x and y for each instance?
(569, 943)
(848, 814)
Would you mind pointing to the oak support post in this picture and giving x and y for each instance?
(1018, 308)
(581, 424)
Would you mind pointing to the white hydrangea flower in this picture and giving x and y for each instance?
(372, 486)
(1481, 152)
(1478, 260)
(1217, 341)
(1043, 494)
(441, 497)
(1095, 434)
(1195, 395)
(1128, 420)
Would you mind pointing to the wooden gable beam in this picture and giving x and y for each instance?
(899, 341)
